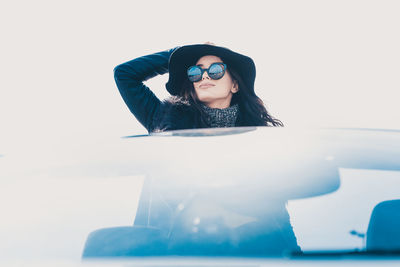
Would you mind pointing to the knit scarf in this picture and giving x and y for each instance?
(225, 117)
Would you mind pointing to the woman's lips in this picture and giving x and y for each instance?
(206, 85)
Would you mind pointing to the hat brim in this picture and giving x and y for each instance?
(186, 56)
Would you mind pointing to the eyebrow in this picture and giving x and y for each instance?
(201, 65)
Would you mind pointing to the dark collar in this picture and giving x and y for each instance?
(221, 117)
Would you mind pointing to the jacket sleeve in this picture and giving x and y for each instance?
(129, 77)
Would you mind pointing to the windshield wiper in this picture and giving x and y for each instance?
(347, 253)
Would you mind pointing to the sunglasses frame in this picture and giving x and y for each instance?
(207, 70)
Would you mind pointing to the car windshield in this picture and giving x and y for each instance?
(277, 192)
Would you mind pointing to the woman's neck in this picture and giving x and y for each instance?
(219, 105)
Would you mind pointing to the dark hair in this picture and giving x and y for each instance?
(251, 107)
(189, 94)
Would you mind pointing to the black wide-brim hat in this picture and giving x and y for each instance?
(185, 56)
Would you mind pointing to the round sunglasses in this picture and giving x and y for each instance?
(216, 71)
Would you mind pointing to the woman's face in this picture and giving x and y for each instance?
(214, 93)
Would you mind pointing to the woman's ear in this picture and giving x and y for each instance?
(235, 87)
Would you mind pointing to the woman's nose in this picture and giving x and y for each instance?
(205, 75)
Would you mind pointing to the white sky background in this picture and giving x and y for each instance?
(319, 63)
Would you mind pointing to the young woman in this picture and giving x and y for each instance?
(211, 86)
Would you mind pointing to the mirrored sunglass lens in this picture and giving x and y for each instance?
(216, 71)
(194, 74)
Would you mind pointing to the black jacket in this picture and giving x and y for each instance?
(153, 114)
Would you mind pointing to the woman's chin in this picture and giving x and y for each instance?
(207, 97)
